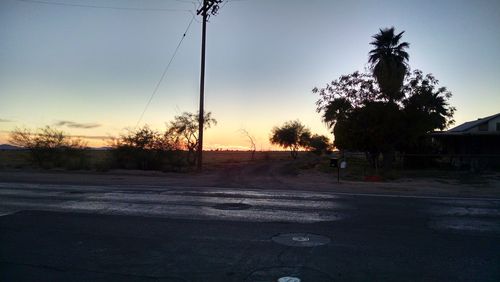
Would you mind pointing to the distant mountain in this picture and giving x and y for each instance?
(9, 147)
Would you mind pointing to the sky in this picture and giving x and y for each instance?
(90, 71)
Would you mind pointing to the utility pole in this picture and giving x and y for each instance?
(210, 7)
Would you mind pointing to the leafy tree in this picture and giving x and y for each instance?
(319, 144)
(425, 107)
(292, 135)
(391, 109)
(342, 104)
(389, 62)
(185, 128)
(341, 96)
(146, 148)
(374, 128)
(363, 120)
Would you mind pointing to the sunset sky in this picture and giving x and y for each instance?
(91, 70)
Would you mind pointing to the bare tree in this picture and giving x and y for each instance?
(251, 139)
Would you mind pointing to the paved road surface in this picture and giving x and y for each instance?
(119, 233)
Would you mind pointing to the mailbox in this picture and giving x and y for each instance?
(343, 164)
(338, 163)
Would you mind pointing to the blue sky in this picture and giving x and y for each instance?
(99, 66)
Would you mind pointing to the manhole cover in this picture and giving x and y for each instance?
(288, 274)
(232, 206)
(288, 279)
(301, 239)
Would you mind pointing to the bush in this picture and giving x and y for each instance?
(49, 147)
(147, 149)
(319, 144)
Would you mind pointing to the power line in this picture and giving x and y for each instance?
(105, 7)
(185, 1)
(224, 4)
(194, 15)
(164, 72)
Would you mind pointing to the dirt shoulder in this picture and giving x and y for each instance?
(271, 175)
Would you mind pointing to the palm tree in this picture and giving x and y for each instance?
(389, 62)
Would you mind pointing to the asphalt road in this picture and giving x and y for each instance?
(145, 233)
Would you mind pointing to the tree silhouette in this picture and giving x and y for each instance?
(146, 148)
(319, 144)
(389, 62)
(251, 139)
(425, 107)
(291, 135)
(185, 127)
(362, 120)
(50, 147)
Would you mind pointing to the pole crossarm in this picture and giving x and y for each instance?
(210, 7)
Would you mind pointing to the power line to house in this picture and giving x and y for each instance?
(107, 7)
(224, 4)
(164, 72)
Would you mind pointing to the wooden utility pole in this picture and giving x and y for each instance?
(210, 7)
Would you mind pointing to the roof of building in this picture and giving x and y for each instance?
(471, 124)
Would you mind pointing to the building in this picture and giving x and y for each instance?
(474, 144)
(488, 125)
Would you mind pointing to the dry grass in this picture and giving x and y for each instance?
(357, 166)
(218, 157)
(13, 158)
(20, 158)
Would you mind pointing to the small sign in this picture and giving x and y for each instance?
(343, 164)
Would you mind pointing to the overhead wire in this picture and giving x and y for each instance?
(105, 7)
(164, 72)
(225, 2)
(137, 9)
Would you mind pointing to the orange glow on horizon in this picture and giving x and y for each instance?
(243, 145)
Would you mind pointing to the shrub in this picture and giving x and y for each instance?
(319, 144)
(147, 149)
(49, 147)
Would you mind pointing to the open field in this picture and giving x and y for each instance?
(13, 158)
(20, 158)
